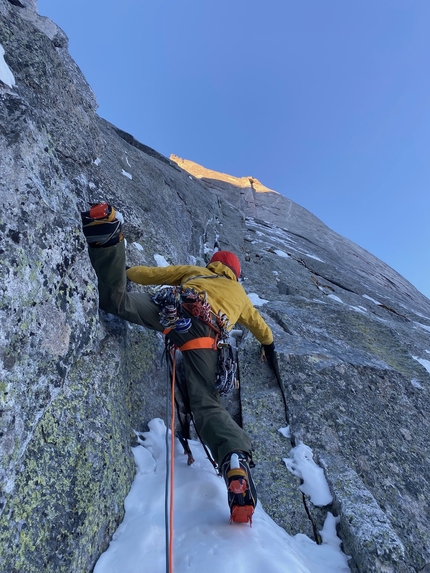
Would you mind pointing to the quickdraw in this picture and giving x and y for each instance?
(225, 379)
(169, 299)
(197, 304)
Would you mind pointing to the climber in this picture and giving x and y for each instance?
(197, 328)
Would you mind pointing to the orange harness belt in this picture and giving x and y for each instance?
(200, 343)
(206, 342)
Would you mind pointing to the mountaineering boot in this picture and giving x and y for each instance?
(242, 495)
(102, 225)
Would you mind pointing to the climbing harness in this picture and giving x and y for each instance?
(173, 302)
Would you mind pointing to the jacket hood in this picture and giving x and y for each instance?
(221, 269)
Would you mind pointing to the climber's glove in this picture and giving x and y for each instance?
(268, 350)
(268, 353)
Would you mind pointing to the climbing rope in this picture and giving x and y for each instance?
(166, 483)
(170, 461)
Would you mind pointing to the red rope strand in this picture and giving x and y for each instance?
(172, 463)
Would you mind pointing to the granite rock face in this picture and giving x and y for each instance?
(352, 336)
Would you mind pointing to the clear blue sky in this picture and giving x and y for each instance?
(325, 101)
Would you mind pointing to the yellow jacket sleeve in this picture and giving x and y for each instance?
(225, 295)
(171, 275)
(253, 320)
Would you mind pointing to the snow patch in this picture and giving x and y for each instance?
(424, 326)
(422, 315)
(334, 297)
(361, 309)
(285, 432)
(416, 384)
(137, 246)
(161, 261)
(6, 76)
(301, 464)
(281, 253)
(129, 175)
(97, 161)
(145, 462)
(328, 532)
(203, 538)
(256, 300)
(423, 362)
(313, 257)
(372, 299)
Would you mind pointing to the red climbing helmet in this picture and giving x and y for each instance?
(229, 260)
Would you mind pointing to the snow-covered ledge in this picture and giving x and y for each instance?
(6, 76)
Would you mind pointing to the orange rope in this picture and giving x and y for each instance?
(172, 464)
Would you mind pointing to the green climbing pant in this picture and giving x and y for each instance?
(216, 427)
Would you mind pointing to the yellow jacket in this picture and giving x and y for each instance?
(224, 294)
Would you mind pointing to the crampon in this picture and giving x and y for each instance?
(242, 497)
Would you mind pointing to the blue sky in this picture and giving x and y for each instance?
(327, 102)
